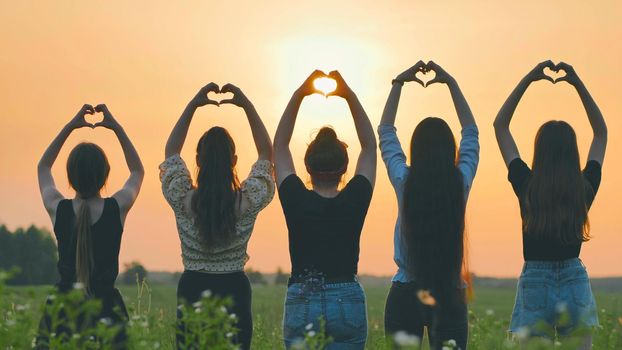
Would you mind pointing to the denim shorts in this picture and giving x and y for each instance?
(342, 307)
(553, 297)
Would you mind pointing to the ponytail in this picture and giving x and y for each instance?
(84, 246)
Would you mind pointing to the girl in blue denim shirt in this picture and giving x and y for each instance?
(553, 296)
(429, 238)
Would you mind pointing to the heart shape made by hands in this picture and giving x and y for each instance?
(554, 73)
(425, 76)
(325, 84)
(219, 96)
(96, 117)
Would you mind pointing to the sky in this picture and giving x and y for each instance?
(146, 60)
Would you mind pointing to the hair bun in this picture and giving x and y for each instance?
(326, 133)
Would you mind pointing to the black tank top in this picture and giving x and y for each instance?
(106, 239)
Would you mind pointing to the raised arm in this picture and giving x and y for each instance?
(366, 164)
(390, 107)
(258, 129)
(283, 162)
(506, 142)
(460, 103)
(49, 193)
(176, 139)
(127, 195)
(599, 127)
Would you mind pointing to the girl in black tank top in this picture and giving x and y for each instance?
(88, 231)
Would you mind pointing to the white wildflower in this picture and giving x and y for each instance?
(206, 293)
(309, 326)
(490, 312)
(229, 334)
(451, 343)
(223, 309)
(197, 305)
(561, 307)
(135, 317)
(78, 285)
(558, 343)
(311, 333)
(522, 333)
(402, 338)
(233, 316)
(106, 321)
(197, 310)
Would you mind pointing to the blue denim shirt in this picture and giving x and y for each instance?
(395, 161)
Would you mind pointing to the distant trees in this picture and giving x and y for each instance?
(280, 277)
(133, 271)
(32, 251)
(255, 277)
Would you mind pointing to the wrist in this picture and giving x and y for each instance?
(397, 82)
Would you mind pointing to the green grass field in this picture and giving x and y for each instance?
(490, 314)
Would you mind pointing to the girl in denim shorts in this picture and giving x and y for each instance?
(554, 297)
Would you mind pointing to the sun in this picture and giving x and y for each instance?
(326, 85)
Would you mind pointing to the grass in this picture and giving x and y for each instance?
(489, 313)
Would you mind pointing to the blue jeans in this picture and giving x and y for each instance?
(553, 296)
(342, 307)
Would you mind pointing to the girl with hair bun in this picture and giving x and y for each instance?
(325, 224)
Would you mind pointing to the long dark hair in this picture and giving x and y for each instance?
(87, 171)
(214, 202)
(326, 157)
(555, 197)
(433, 211)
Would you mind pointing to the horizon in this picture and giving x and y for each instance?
(147, 62)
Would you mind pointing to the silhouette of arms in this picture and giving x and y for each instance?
(127, 195)
(506, 142)
(47, 187)
(599, 127)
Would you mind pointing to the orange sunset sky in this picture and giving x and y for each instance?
(145, 60)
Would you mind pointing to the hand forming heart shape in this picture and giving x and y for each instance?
(412, 74)
(237, 97)
(80, 121)
(552, 72)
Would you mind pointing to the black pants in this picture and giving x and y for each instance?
(405, 312)
(233, 285)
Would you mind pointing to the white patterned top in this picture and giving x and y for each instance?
(258, 189)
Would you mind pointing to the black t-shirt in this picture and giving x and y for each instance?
(106, 235)
(538, 248)
(324, 233)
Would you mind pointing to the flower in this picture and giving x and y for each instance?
(78, 285)
(311, 333)
(451, 343)
(402, 338)
(426, 298)
(196, 305)
(105, 321)
(233, 316)
(561, 307)
(522, 333)
(309, 326)
(206, 293)
(490, 312)
(229, 334)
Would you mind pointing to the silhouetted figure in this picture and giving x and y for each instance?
(88, 228)
(325, 224)
(215, 216)
(555, 196)
(428, 289)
